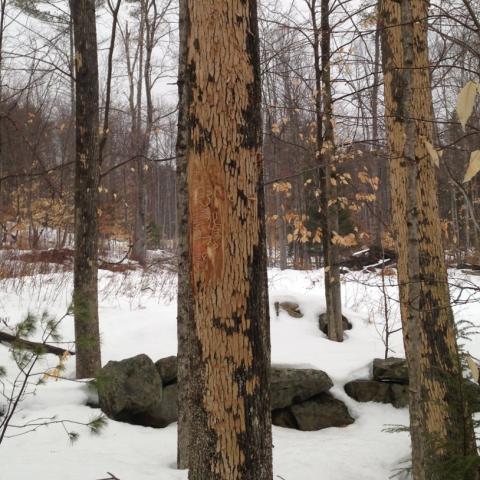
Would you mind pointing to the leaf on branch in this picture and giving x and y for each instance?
(365, 197)
(473, 167)
(473, 368)
(344, 241)
(73, 437)
(282, 187)
(466, 101)
(363, 176)
(97, 424)
(434, 154)
(317, 237)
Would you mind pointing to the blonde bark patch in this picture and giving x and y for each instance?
(223, 176)
(435, 294)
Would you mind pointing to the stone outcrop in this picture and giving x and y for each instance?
(323, 324)
(141, 392)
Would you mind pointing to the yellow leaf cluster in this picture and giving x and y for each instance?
(282, 187)
(344, 241)
(365, 197)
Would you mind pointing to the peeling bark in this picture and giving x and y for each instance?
(441, 427)
(230, 436)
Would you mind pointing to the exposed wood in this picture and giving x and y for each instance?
(230, 435)
(441, 427)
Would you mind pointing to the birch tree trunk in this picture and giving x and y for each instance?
(443, 445)
(230, 437)
(87, 178)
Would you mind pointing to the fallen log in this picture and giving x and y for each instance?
(468, 266)
(474, 273)
(370, 258)
(34, 346)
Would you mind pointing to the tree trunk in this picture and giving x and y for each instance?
(325, 156)
(377, 206)
(443, 444)
(3, 6)
(230, 436)
(139, 250)
(87, 175)
(187, 347)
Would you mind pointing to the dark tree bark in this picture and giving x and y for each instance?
(443, 443)
(3, 6)
(87, 175)
(230, 433)
(139, 249)
(325, 157)
(185, 321)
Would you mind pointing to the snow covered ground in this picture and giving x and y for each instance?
(138, 315)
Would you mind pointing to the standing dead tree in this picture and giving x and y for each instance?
(230, 434)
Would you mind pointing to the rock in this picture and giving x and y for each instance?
(91, 390)
(322, 323)
(399, 395)
(129, 388)
(166, 411)
(167, 368)
(369, 391)
(396, 393)
(290, 385)
(283, 417)
(141, 392)
(322, 411)
(292, 308)
(381, 392)
(390, 370)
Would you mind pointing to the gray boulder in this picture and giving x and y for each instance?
(390, 370)
(369, 391)
(140, 392)
(321, 411)
(283, 417)
(291, 385)
(399, 395)
(167, 368)
(129, 388)
(166, 411)
(323, 325)
(381, 392)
